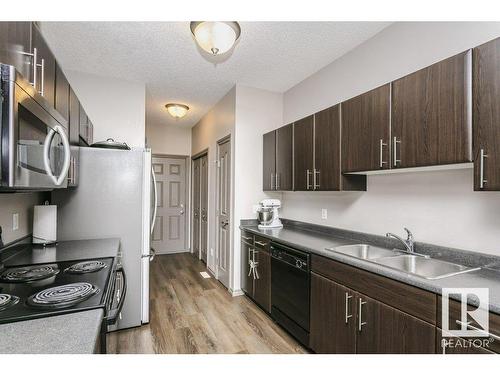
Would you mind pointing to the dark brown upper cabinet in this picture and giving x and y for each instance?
(365, 131)
(277, 159)
(269, 161)
(84, 127)
(327, 149)
(46, 66)
(62, 94)
(15, 46)
(303, 154)
(430, 116)
(284, 158)
(486, 115)
(74, 118)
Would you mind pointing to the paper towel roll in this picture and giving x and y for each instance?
(45, 224)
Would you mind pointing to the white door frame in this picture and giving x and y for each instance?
(221, 141)
(187, 209)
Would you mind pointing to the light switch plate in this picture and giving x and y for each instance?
(15, 221)
(324, 213)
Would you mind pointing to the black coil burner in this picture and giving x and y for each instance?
(28, 274)
(62, 296)
(86, 267)
(7, 300)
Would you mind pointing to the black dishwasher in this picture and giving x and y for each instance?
(290, 288)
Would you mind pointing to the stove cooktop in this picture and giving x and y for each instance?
(41, 290)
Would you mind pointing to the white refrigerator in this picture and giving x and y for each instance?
(115, 197)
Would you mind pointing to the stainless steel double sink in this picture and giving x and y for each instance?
(419, 265)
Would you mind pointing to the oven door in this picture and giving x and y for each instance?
(35, 152)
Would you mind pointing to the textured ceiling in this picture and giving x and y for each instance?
(269, 55)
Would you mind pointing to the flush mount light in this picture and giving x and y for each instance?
(177, 110)
(217, 37)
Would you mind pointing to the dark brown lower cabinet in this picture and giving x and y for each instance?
(246, 279)
(256, 284)
(345, 321)
(383, 329)
(332, 328)
(262, 283)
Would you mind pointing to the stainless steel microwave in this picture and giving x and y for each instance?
(34, 147)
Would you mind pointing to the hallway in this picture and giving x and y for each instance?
(190, 314)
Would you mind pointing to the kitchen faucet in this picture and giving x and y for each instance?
(409, 242)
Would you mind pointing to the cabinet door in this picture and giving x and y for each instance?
(62, 94)
(365, 131)
(84, 128)
(246, 279)
(431, 120)
(382, 329)
(486, 115)
(284, 156)
(269, 161)
(15, 41)
(46, 73)
(327, 149)
(74, 118)
(262, 284)
(333, 328)
(303, 143)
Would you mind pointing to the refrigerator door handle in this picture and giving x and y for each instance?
(156, 200)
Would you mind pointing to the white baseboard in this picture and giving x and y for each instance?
(172, 252)
(236, 293)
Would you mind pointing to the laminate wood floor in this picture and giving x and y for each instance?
(190, 314)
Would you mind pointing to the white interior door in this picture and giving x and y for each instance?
(170, 234)
(224, 211)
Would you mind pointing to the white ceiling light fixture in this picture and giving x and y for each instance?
(177, 110)
(216, 37)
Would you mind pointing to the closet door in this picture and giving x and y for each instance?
(196, 206)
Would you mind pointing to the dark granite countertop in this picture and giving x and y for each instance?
(319, 238)
(76, 333)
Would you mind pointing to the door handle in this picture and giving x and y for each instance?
(381, 147)
(395, 147)
(360, 319)
(67, 154)
(482, 181)
(316, 173)
(151, 255)
(347, 315)
(308, 183)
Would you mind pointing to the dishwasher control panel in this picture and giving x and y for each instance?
(292, 257)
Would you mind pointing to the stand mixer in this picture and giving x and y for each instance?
(268, 214)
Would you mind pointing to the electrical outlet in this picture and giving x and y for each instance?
(15, 221)
(324, 213)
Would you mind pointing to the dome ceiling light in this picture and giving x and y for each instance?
(216, 37)
(177, 110)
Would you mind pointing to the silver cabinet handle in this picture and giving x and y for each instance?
(42, 79)
(33, 54)
(246, 238)
(395, 151)
(347, 315)
(360, 319)
(260, 243)
(278, 181)
(308, 183)
(272, 178)
(482, 181)
(316, 173)
(381, 147)
(483, 332)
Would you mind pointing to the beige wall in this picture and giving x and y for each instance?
(215, 125)
(168, 139)
(21, 203)
(440, 207)
(116, 107)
